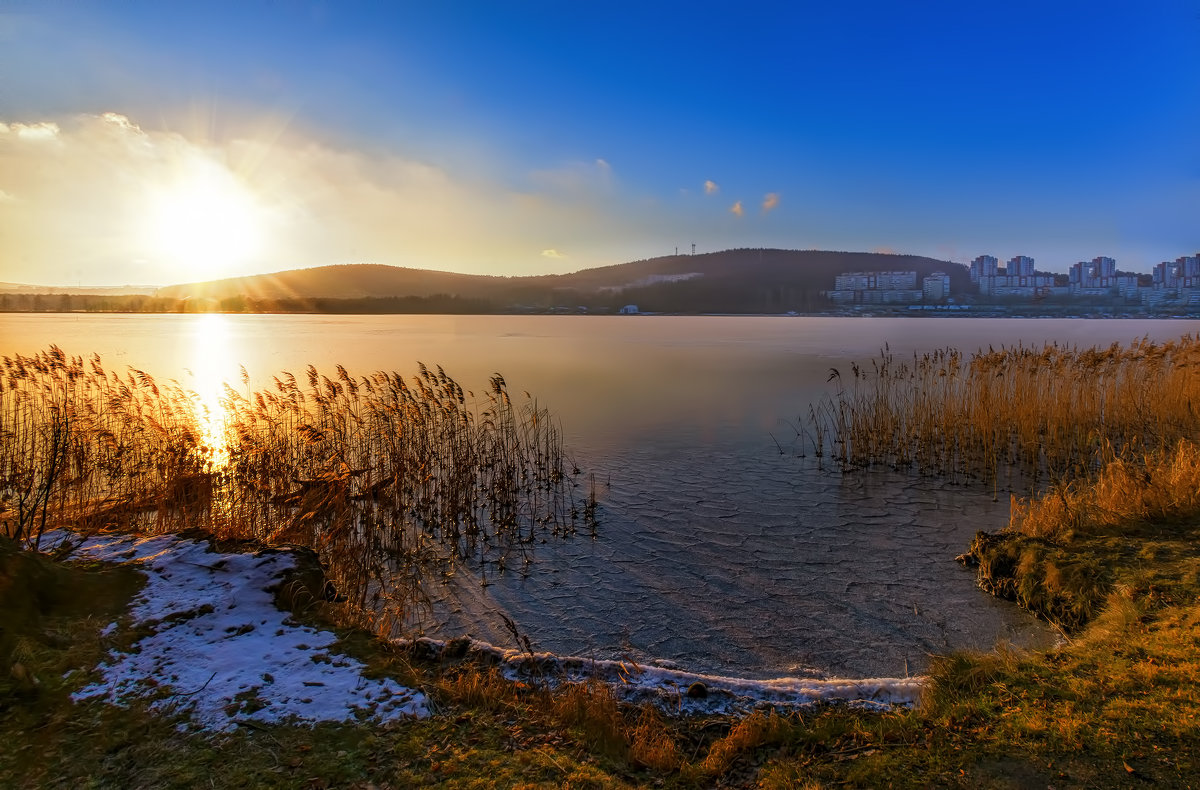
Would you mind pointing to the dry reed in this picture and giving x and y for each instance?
(387, 479)
(1051, 414)
(1159, 487)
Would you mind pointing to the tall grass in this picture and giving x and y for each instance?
(1049, 415)
(1101, 437)
(1160, 487)
(88, 448)
(388, 479)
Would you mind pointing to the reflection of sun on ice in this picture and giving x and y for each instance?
(211, 364)
(204, 221)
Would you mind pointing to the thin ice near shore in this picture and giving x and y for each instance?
(677, 691)
(222, 652)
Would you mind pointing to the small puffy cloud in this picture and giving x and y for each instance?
(711, 188)
(35, 131)
(737, 209)
(770, 201)
(120, 121)
(552, 253)
(603, 165)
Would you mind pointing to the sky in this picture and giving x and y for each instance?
(154, 143)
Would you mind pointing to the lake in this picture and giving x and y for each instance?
(719, 550)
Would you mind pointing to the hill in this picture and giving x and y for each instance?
(732, 281)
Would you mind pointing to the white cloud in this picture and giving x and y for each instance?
(35, 131)
(552, 253)
(120, 121)
(87, 202)
(711, 188)
(737, 209)
(770, 201)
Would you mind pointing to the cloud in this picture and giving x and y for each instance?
(770, 201)
(737, 209)
(711, 188)
(120, 121)
(83, 209)
(34, 131)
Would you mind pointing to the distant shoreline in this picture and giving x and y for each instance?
(972, 311)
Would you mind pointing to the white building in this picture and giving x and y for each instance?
(1176, 283)
(876, 288)
(936, 287)
(1019, 280)
(1098, 279)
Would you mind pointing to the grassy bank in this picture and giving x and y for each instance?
(1117, 705)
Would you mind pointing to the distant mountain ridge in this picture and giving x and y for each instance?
(744, 280)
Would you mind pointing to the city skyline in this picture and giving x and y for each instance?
(159, 144)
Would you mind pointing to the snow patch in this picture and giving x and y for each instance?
(222, 652)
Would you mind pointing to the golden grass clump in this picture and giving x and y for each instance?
(591, 707)
(750, 733)
(387, 478)
(1052, 414)
(651, 744)
(1158, 487)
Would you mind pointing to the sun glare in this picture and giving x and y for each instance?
(211, 358)
(203, 223)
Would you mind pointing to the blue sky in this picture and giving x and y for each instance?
(162, 142)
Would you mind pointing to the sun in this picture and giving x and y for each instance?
(202, 222)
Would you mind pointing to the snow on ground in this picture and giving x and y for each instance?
(222, 652)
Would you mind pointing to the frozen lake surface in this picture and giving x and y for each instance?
(716, 552)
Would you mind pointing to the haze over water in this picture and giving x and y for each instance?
(715, 550)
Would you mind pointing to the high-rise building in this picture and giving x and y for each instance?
(1104, 267)
(984, 266)
(1020, 266)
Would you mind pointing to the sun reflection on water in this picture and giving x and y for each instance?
(212, 364)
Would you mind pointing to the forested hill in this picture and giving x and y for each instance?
(732, 281)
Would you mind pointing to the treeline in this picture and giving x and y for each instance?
(136, 303)
(698, 296)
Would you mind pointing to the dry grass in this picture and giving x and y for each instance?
(1053, 413)
(751, 733)
(388, 479)
(1157, 487)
